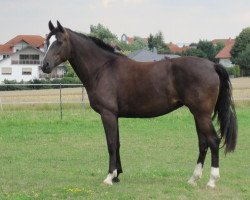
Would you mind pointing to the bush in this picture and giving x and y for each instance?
(234, 71)
(237, 70)
(64, 80)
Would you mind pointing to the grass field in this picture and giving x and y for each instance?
(42, 157)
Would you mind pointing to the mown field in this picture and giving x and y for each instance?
(241, 93)
(43, 157)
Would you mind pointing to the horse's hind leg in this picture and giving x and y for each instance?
(207, 138)
(203, 146)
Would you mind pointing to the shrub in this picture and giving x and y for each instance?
(64, 80)
(234, 71)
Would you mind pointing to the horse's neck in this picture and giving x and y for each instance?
(87, 59)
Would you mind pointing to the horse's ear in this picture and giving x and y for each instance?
(51, 26)
(59, 26)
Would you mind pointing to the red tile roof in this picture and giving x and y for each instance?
(176, 49)
(33, 40)
(225, 52)
(131, 40)
(6, 48)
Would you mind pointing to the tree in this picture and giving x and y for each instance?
(125, 48)
(138, 43)
(208, 48)
(194, 52)
(243, 58)
(240, 45)
(69, 71)
(157, 41)
(219, 46)
(103, 33)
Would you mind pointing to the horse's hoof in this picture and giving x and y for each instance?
(107, 182)
(115, 180)
(211, 185)
(192, 182)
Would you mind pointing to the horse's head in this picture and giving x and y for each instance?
(59, 50)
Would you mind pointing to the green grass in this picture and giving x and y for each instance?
(42, 157)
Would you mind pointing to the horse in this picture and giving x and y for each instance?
(120, 87)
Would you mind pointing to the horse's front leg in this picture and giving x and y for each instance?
(110, 124)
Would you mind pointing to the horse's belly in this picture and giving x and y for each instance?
(147, 109)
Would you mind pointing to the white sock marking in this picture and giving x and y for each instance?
(215, 175)
(196, 175)
(110, 177)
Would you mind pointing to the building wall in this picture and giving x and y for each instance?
(17, 71)
(28, 50)
(19, 46)
(226, 62)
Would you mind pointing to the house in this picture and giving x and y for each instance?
(130, 40)
(146, 56)
(21, 58)
(174, 48)
(224, 55)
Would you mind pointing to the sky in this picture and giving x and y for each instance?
(181, 21)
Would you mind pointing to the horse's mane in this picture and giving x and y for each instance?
(99, 43)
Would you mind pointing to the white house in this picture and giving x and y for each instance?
(224, 55)
(21, 58)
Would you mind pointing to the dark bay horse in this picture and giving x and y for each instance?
(120, 87)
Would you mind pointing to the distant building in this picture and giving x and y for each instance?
(21, 58)
(174, 48)
(146, 56)
(130, 40)
(224, 55)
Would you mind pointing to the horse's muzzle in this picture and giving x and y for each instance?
(45, 68)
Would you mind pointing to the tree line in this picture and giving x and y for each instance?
(206, 49)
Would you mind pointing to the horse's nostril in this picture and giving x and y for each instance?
(45, 64)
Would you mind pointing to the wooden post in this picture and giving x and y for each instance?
(61, 99)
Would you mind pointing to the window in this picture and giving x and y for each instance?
(26, 71)
(5, 56)
(29, 57)
(6, 71)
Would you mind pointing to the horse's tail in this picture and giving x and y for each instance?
(225, 111)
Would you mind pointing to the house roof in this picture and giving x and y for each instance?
(36, 41)
(6, 48)
(130, 40)
(176, 49)
(145, 56)
(225, 52)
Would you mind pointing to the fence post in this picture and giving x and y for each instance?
(61, 99)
